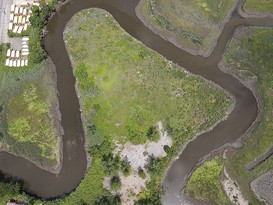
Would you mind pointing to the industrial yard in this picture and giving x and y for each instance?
(15, 17)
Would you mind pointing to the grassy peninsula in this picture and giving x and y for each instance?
(205, 185)
(195, 25)
(125, 89)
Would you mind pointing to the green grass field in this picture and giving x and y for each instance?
(205, 185)
(194, 24)
(250, 58)
(125, 89)
(259, 6)
(26, 116)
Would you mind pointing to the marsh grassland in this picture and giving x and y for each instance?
(248, 57)
(258, 6)
(27, 119)
(195, 25)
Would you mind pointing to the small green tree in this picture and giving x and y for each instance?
(152, 133)
(111, 164)
(141, 173)
(115, 183)
(125, 167)
(108, 200)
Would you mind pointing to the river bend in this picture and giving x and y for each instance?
(48, 185)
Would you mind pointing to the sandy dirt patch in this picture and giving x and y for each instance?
(233, 190)
(138, 156)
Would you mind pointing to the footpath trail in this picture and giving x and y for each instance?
(48, 185)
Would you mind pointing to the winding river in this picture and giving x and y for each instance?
(48, 185)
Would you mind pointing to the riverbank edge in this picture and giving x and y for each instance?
(239, 142)
(247, 13)
(174, 41)
(258, 97)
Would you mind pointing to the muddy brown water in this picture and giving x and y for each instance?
(48, 185)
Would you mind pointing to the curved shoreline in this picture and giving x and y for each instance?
(206, 52)
(124, 12)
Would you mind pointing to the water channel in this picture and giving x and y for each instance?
(48, 185)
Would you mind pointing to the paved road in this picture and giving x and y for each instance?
(4, 19)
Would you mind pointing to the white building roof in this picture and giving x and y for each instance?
(18, 63)
(10, 63)
(15, 19)
(21, 10)
(12, 53)
(10, 26)
(25, 27)
(8, 52)
(17, 54)
(25, 12)
(12, 7)
(25, 38)
(16, 10)
(20, 29)
(22, 63)
(7, 62)
(25, 53)
(11, 16)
